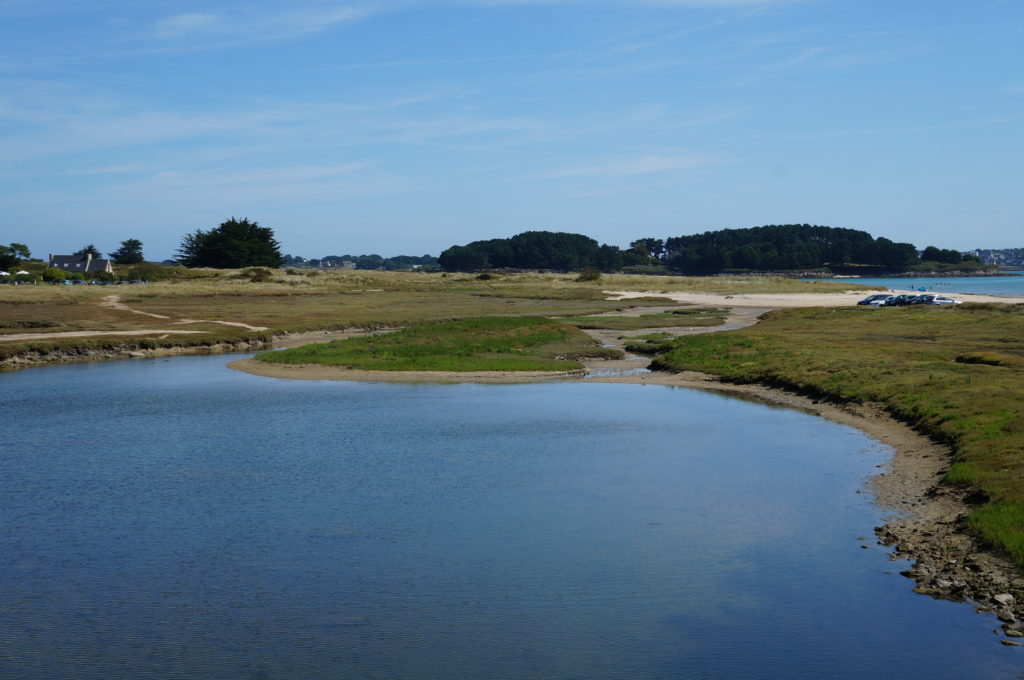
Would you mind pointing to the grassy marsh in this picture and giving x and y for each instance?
(481, 344)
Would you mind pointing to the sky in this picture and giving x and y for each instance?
(405, 127)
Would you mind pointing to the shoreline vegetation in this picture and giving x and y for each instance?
(484, 344)
(953, 375)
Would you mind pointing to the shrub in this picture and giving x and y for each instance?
(485, 277)
(54, 274)
(258, 275)
(589, 274)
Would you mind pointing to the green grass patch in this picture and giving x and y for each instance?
(956, 374)
(652, 343)
(690, 318)
(480, 344)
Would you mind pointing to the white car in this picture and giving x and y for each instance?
(932, 299)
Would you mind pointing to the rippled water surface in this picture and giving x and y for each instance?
(175, 519)
(977, 285)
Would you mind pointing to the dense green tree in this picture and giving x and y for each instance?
(557, 251)
(783, 247)
(12, 255)
(234, 244)
(130, 252)
(946, 256)
(89, 250)
(653, 247)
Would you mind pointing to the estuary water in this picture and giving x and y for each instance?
(1010, 285)
(171, 518)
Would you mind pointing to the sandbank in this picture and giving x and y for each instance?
(788, 300)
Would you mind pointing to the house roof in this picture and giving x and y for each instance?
(80, 263)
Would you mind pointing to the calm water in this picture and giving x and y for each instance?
(978, 285)
(175, 519)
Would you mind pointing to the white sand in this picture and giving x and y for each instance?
(779, 300)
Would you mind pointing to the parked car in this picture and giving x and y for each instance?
(933, 299)
(875, 299)
(899, 300)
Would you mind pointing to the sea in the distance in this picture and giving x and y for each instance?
(1011, 285)
(171, 518)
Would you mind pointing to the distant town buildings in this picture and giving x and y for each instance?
(1001, 256)
(362, 262)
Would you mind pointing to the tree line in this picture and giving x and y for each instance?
(558, 251)
(766, 248)
(238, 243)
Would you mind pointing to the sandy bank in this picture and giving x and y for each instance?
(781, 301)
(318, 372)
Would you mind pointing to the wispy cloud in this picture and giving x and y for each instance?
(635, 3)
(218, 186)
(629, 167)
(182, 25)
(191, 27)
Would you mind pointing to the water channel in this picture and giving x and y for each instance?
(171, 518)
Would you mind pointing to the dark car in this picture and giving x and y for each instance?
(875, 299)
(899, 300)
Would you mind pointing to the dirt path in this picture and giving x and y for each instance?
(114, 302)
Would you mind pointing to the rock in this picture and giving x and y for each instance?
(1010, 643)
(1013, 632)
(1006, 617)
(1003, 599)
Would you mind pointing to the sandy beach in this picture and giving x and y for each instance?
(781, 301)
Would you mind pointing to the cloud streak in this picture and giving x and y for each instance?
(201, 27)
(631, 167)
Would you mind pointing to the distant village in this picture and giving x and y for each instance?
(399, 262)
(1005, 257)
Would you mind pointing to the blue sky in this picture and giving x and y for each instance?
(403, 127)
